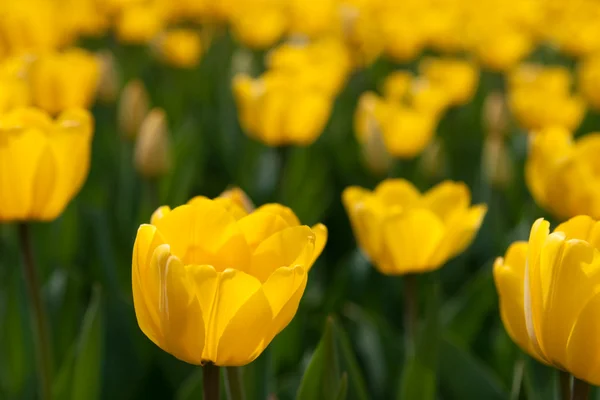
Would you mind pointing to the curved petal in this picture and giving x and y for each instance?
(321, 234)
(289, 247)
(225, 293)
(583, 358)
(284, 290)
(159, 213)
(397, 192)
(581, 227)
(205, 233)
(509, 275)
(460, 234)
(260, 225)
(284, 212)
(145, 284)
(365, 218)
(182, 322)
(411, 238)
(447, 199)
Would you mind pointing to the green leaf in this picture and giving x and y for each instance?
(465, 314)
(88, 360)
(191, 389)
(419, 374)
(350, 364)
(342, 393)
(321, 378)
(462, 376)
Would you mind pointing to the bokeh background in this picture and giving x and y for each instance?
(463, 351)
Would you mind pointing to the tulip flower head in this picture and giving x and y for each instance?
(562, 174)
(549, 295)
(403, 231)
(213, 282)
(43, 162)
(180, 48)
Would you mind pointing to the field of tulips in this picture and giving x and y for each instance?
(297, 199)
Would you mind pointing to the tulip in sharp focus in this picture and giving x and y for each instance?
(215, 283)
(562, 174)
(43, 162)
(549, 292)
(403, 231)
(64, 80)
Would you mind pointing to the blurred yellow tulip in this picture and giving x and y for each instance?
(549, 295)
(403, 231)
(43, 163)
(64, 80)
(457, 78)
(180, 48)
(589, 80)
(213, 283)
(562, 175)
(140, 23)
(258, 23)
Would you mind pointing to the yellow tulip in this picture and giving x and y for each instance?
(258, 23)
(549, 298)
(589, 80)
(180, 48)
(14, 85)
(213, 283)
(397, 85)
(501, 50)
(312, 18)
(278, 111)
(457, 78)
(562, 175)
(64, 80)
(139, 24)
(43, 163)
(403, 231)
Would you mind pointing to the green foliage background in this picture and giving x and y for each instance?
(462, 350)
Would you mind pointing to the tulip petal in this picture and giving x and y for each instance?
(411, 238)
(581, 227)
(284, 212)
(459, 234)
(447, 199)
(245, 331)
(159, 213)
(583, 360)
(145, 296)
(232, 290)
(205, 233)
(182, 324)
(283, 289)
(397, 192)
(365, 218)
(560, 274)
(259, 225)
(321, 234)
(289, 247)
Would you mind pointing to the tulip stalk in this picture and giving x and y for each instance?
(211, 381)
(41, 332)
(235, 385)
(564, 382)
(581, 390)
(410, 310)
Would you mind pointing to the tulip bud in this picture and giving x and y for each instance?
(497, 165)
(108, 85)
(432, 160)
(133, 108)
(495, 119)
(152, 148)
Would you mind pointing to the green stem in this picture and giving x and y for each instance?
(211, 381)
(581, 390)
(565, 385)
(517, 381)
(410, 311)
(41, 332)
(235, 385)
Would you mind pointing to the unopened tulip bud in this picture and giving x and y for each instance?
(133, 108)
(495, 117)
(432, 160)
(153, 147)
(108, 86)
(497, 165)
